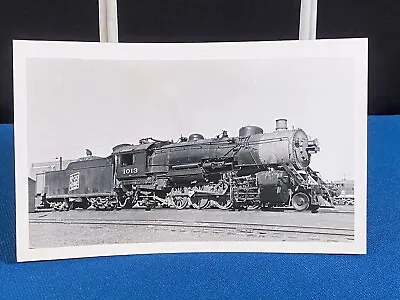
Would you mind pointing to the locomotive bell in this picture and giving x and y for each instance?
(250, 130)
(281, 124)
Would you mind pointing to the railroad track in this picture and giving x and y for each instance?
(227, 227)
(286, 209)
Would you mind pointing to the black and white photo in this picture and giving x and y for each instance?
(165, 148)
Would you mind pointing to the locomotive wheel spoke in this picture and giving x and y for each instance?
(72, 205)
(223, 203)
(126, 202)
(254, 204)
(200, 202)
(105, 203)
(209, 204)
(180, 202)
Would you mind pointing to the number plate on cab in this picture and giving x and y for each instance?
(129, 171)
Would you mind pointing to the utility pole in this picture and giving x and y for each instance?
(308, 20)
(108, 21)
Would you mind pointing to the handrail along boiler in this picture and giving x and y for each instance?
(254, 169)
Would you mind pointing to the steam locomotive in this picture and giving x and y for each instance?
(253, 170)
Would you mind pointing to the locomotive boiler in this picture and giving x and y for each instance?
(253, 169)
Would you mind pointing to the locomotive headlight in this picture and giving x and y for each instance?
(313, 143)
(313, 146)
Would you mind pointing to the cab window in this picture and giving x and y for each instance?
(127, 159)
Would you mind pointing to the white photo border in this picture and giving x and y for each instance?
(356, 48)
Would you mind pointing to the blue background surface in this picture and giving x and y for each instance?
(222, 276)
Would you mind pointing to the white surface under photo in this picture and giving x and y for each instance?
(208, 147)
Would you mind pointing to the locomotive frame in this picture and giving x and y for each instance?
(253, 170)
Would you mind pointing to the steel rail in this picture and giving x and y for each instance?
(206, 225)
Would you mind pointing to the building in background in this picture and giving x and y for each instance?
(344, 187)
(31, 194)
(344, 190)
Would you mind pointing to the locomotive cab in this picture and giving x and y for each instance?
(131, 164)
(131, 161)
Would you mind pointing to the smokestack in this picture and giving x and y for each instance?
(281, 124)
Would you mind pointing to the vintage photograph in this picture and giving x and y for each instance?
(163, 148)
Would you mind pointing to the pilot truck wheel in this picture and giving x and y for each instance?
(300, 201)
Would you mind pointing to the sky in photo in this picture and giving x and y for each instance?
(77, 104)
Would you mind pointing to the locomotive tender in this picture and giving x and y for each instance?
(252, 170)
